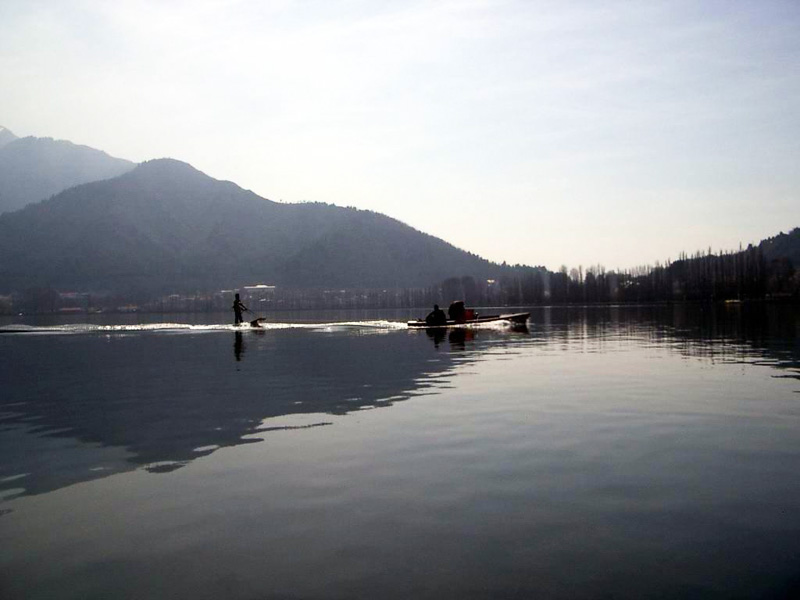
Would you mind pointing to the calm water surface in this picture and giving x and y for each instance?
(647, 452)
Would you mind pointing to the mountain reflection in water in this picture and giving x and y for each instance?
(80, 407)
(625, 452)
(168, 399)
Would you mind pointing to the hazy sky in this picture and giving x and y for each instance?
(538, 132)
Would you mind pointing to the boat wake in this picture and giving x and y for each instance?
(90, 328)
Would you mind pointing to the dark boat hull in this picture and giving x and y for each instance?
(515, 319)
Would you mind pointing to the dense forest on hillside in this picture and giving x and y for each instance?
(762, 272)
(766, 271)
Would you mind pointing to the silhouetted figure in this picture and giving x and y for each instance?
(436, 317)
(457, 312)
(238, 346)
(238, 308)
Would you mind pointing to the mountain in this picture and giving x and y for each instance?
(165, 226)
(6, 136)
(32, 169)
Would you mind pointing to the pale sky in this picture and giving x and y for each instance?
(535, 132)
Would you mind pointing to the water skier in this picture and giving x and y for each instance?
(238, 308)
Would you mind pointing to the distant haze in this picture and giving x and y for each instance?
(33, 169)
(537, 132)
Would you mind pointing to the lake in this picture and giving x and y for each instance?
(607, 452)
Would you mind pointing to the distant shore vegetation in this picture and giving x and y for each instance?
(751, 274)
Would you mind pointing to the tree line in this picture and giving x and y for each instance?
(704, 276)
(747, 274)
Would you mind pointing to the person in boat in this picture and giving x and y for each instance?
(457, 311)
(238, 309)
(436, 317)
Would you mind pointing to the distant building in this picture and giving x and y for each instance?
(260, 292)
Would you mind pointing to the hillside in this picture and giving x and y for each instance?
(783, 246)
(165, 226)
(32, 169)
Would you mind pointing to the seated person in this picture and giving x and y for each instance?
(457, 312)
(436, 317)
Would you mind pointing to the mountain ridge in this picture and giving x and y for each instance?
(35, 168)
(164, 226)
(6, 136)
(167, 226)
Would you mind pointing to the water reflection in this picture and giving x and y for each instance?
(748, 333)
(238, 346)
(457, 338)
(104, 404)
(462, 338)
(605, 453)
(95, 405)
